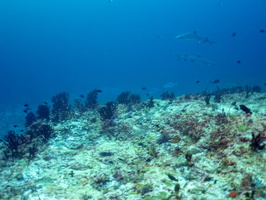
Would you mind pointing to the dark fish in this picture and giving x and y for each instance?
(15, 126)
(233, 34)
(147, 95)
(216, 81)
(245, 109)
(197, 81)
(149, 159)
(262, 30)
(71, 174)
(25, 111)
(144, 88)
(172, 177)
(82, 96)
(104, 154)
(265, 84)
(99, 91)
(21, 130)
(238, 61)
(26, 105)
(45, 103)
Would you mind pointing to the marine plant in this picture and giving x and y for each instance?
(30, 119)
(190, 126)
(32, 152)
(150, 103)
(61, 109)
(251, 90)
(45, 132)
(108, 112)
(127, 98)
(13, 142)
(167, 96)
(91, 101)
(207, 97)
(79, 106)
(257, 142)
(218, 93)
(43, 112)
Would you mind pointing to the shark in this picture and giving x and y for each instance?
(194, 36)
(195, 59)
(169, 85)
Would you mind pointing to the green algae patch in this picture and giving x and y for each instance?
(243, 128)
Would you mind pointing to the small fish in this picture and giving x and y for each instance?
(147, 95)
(144, 88)
(238, 61)
(197, 81)
(71, 174)
(265, 84)
(233, 34)
(45, 103)
(21, 130)
(245, 109)
(26, 110)
(82, 96)
(172, 177)
(26, 105)
(216, 81)
(99, 91)
(15, 126)
(262, 30)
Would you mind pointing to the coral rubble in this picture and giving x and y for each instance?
(188, 147)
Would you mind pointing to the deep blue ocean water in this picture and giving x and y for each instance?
(51, 46)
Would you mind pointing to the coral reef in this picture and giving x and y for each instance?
(187, 148)
(128, 98)
(167, 96)
(43, 112)
(61, 109)
(91, 101)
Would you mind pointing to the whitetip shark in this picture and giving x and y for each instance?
(194, 36)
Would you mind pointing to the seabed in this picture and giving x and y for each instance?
(177, 149)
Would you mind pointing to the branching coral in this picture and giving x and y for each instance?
(108, 112)
(91, 101)
(128, 98)
(61, 108)
(167, 96)
(257, 142)
(43, 112)
(13, 141)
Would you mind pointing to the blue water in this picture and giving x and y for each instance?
(52, 46)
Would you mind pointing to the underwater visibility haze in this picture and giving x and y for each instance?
(180, 82)
(53, 46)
